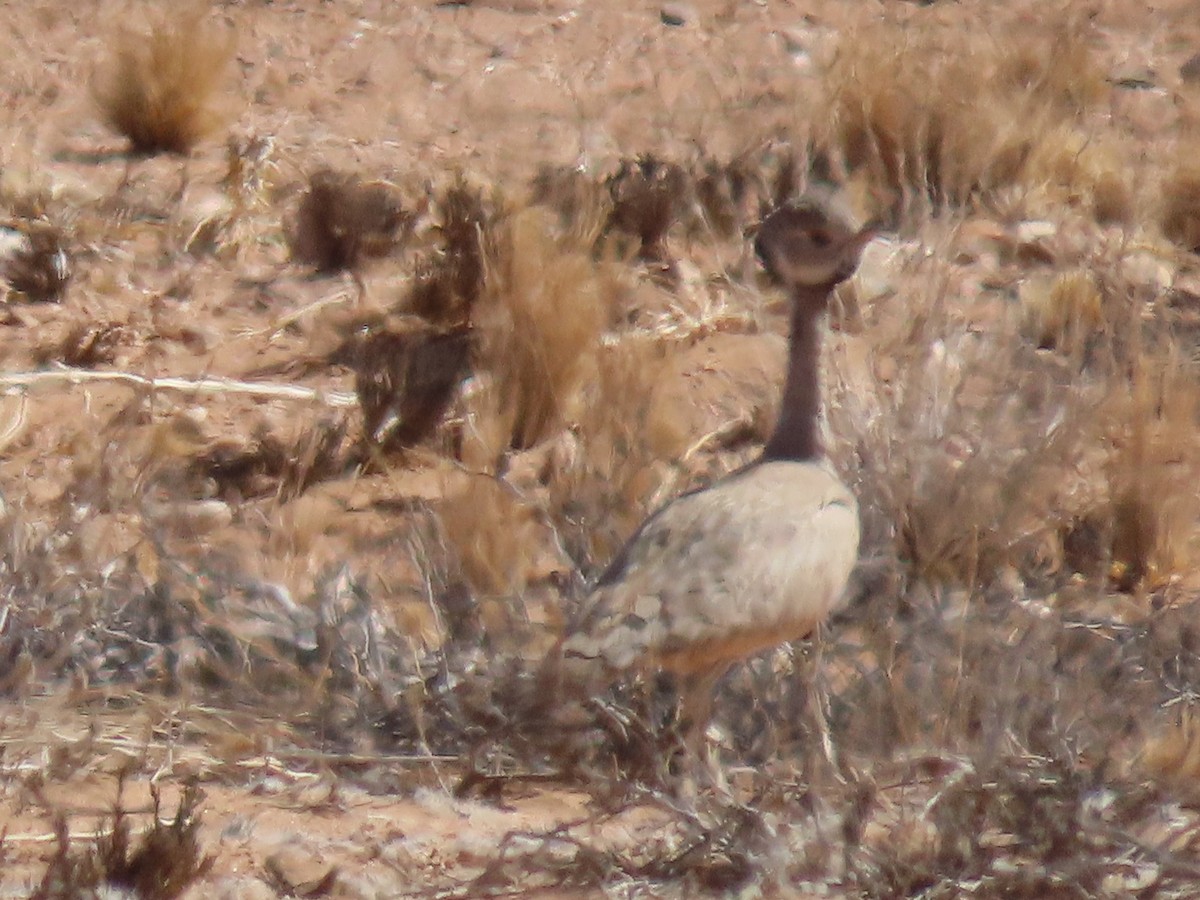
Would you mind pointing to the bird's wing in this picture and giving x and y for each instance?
(757, 559)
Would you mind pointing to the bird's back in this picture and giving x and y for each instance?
(759, 558)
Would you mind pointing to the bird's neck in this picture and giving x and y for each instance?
(796, 435)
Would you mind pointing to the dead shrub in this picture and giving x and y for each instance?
(343, 220)
(87, 345)
(539, 321)
(38, 266)
(448, 284)
(161, 865)
(648, 196)
(161, 87)
(727, 194)
(986, 455)
(406, 376)
(267, 463)
(1153, 470)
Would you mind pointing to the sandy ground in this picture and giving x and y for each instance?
(411, 93)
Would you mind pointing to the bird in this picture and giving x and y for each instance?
(758, 558)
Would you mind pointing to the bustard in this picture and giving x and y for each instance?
(758, 558)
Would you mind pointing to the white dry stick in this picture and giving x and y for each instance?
(337, 399)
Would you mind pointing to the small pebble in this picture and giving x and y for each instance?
(677, 14)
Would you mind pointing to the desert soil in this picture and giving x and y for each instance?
(412, 94)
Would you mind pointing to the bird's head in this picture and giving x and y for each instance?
(804, 245)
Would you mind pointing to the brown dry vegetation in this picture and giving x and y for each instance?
(160, 88)
(303, 473)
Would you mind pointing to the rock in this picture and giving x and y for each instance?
(877, 268)
(1033, 242)
(1190, 70)
(231, 887)
(796, 41)
(1035, 230)
(13, 243)
(677, 14)
(301, 872)
(1134, 77)
(1148, 269)
(191, 516)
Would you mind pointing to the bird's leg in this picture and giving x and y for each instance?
(701, 762)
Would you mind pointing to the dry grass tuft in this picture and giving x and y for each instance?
(952, 113)
(1179, 206)
(539, 321)
(1063, 311)
(343, 220)
(602, 483)
(1152, 474)
(495, 537)
(583, 204)
(161, 89)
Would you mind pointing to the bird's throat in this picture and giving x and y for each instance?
(796, 435)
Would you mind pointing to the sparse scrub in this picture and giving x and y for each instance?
(951, 114)
(162, 87)
(297, 597)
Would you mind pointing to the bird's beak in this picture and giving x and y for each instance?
(860, 240)
(854, 249)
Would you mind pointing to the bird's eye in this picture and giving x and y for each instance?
(819, 237)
